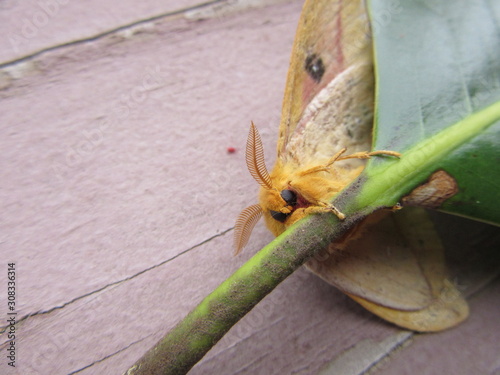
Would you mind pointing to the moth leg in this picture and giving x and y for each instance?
(322, 207)
(319, 209)
(357, 155)
(368, 155)
(326, 167)
(396, 207)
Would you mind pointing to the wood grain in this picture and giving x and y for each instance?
(118, 197)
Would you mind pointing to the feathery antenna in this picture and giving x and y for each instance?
(255, 159)
(244, 226)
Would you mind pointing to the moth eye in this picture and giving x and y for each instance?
(289, 197)
(315, 67)
(279, 216)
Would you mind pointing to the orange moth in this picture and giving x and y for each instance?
(394, 268)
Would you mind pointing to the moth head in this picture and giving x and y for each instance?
(277, 202)
(278, 206)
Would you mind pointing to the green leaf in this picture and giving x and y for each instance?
(438, 79)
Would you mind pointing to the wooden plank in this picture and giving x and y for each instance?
(119, 164)
(469, 349)
(118, 196)
(31, 26)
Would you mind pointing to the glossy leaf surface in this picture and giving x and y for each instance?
(438, 64)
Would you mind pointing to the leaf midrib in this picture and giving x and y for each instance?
(388, 182)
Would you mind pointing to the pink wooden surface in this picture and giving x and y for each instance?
(30, 26)
(118, 199)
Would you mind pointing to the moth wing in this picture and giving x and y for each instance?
(328, 102)
(396, 270)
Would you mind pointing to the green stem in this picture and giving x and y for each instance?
(189, 341)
